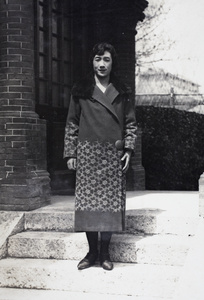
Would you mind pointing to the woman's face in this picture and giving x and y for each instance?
(102, 64)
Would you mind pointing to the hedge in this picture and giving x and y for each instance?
(172, 147)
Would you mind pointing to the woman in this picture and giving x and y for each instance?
(100, 136)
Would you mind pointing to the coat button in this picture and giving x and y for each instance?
(119, 144)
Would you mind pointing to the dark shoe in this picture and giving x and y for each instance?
(88, 261)
(106, 262)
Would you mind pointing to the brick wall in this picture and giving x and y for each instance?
(24, 179)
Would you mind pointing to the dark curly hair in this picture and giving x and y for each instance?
(100, 48)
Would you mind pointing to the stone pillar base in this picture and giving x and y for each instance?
(201, 196)
(136, 173)
(24, 193)
(136, 178)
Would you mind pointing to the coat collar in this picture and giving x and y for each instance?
(87, 89)
(84, 88)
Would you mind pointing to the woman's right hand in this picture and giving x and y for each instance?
(71, 163)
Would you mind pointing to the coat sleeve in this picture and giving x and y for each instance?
(72, 129)
(130, 128)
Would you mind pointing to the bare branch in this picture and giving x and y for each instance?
(151, 39)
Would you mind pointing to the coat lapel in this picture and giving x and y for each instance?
(106, 99)
(111, 92)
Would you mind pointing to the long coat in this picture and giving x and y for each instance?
(100, 126)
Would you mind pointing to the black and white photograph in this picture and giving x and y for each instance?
(101, 150)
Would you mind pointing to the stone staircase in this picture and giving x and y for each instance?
(148, 257)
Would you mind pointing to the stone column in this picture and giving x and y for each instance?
(24, 181)
(201, 196)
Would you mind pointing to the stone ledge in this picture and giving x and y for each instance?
(190, 285)
(125, 279)
(140, 221)
(10, 224)
(169, 249)
(31, 294)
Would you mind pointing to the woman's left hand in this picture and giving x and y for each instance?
(126, 159)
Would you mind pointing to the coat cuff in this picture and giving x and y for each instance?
(129, 144)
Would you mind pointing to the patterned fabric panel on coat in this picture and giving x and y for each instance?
(100, 188)
(70, 140)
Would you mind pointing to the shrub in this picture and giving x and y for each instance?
(172, 147)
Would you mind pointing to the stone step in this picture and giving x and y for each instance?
(31, 294)
(142, 281)
(156, 249)
(10, 223)
(140, 221)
